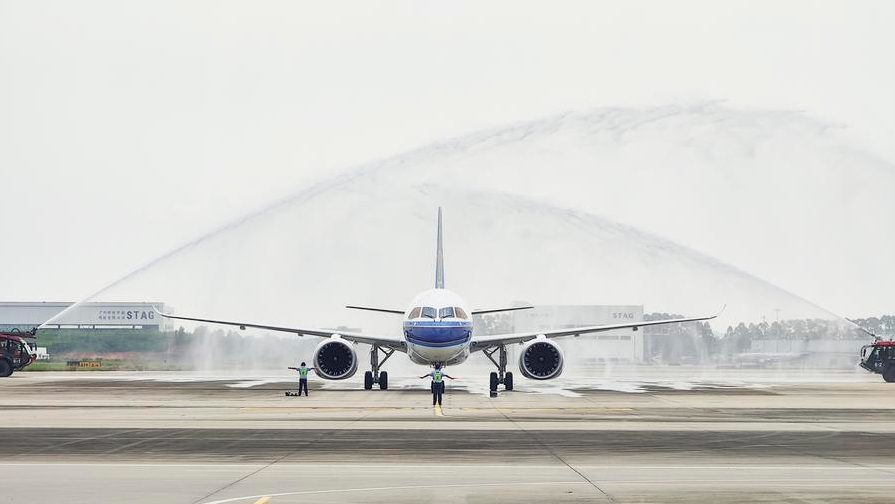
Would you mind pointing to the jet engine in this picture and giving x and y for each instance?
(335, 359)
(541, 359)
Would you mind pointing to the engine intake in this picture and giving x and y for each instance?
(541, 359)
(335, 359)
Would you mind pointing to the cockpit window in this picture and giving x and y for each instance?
(429, 312)
(459, 313)
(415, 313)
(446, 312)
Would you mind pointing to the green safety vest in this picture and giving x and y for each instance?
(303, 372)
(436, 376)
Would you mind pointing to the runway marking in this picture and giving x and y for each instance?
(438, 411)
(280, 459)
(380, 489)
(315, 409)
(262, 500)
(779, 483)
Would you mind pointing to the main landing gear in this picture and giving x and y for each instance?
(501, 376)
(377, 376)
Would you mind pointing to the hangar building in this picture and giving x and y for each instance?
(25, 315)
(618, 345)
(622, 345)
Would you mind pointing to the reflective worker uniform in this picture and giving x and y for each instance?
(303, 379)
(437, 386)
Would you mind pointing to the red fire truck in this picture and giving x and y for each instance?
(879, 357)
(15, 354)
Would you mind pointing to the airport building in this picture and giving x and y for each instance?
(25, 315)
(619, 345)
(818, 353)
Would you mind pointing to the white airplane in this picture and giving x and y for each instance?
(437, 329)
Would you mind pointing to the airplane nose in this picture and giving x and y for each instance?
(438, 335)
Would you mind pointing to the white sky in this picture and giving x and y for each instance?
(127, 128)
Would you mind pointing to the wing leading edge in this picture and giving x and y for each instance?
(395, 342)
(482, 342)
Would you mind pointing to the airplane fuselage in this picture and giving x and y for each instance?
(438, 328)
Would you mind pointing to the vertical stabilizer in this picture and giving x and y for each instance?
(439, 258)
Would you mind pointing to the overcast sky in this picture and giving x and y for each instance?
(126, 128)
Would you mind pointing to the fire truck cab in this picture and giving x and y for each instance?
(15, 353)
(879, 357)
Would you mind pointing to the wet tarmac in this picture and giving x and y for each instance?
(144, 437)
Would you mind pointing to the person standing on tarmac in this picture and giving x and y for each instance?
(303, 377)
(438, 377)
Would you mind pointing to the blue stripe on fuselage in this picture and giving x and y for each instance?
(442, 333)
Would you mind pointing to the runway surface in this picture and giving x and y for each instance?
(187, 438)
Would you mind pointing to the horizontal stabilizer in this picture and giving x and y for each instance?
(383, 310)
(497, 310)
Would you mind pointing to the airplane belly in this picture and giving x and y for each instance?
(425, 355)
(438, 341)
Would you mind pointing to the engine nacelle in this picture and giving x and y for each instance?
(335, 359)
(541, 359)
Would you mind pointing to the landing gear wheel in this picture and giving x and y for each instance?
(5, 368)
(501, 363)
(889, 373)
(375, 365)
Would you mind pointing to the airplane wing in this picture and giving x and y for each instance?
(482, 342)
(395, 342)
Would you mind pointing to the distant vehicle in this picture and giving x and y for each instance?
(767, 359)
(41, 353)
(879, 357)
(15, 353)
(437, 329)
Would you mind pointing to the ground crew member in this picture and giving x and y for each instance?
(303, 377)
(438, 377)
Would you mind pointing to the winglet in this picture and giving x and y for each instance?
(439, 258)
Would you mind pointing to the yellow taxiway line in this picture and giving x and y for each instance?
(438, 410)
(262, 500)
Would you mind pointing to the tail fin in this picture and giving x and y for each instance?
(439, 258)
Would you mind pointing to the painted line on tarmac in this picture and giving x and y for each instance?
(770, 484)
(392, 488)
(315, 409)
(438, 411)
(777, 483)
(262, 500)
